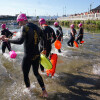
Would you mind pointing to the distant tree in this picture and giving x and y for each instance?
(37, 17)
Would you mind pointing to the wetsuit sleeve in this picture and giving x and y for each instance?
(57, 33)
(80, 31)
(61, 33)
(75, 32)
(21, 39)
(53, 36)
(10, 33)
(2, 33)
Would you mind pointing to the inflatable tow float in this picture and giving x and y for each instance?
(12, 54)
(76, 44)
(45, 62)
(53, 60)
(57, 44)
(49, 64)
(82, 42)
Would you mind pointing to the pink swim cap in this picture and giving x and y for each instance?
(21, 17)
(56, 24)
(12, 54)
(3, 26)
(42, 21)
(80, 25)
(72, 25)
(7, 28)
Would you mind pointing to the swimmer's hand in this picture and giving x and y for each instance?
(44, 52)
(6, 39)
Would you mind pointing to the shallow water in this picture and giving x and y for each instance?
(76, 72)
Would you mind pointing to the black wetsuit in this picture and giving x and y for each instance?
(72, 38)
(59, 35)
(80, 35)
(50, 38)
(8, 34)
(30, 36)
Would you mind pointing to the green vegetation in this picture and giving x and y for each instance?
(89, 25)
(86, 24)
(50, 22)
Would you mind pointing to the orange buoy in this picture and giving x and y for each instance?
(57, 44)
(14, 35)
(15, 32)
(82, 42)
(53, 59)
(76, 44)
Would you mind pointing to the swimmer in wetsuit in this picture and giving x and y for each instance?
(50, 38)
(30, 36)
(59, 33)
(72, 36)
(80, 35)
(8, 34)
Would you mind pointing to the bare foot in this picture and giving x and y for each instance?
(44, 94)
(42, 71)
(26, 91)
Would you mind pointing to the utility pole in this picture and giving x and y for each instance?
(91, 6)
(88, 10)
(65, 10)
(35, 12)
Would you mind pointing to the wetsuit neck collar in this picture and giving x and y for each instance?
(44, 25)
(57, 26)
